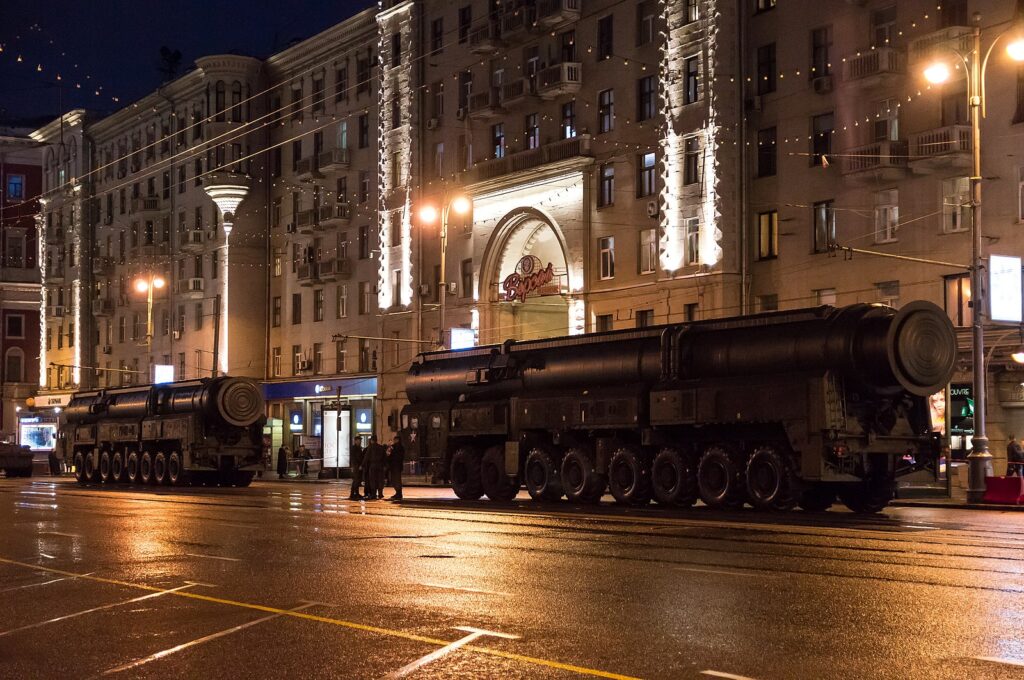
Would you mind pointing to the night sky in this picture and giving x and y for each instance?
(117, 43)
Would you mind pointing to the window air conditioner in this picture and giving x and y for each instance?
(822, 84)
(652, 208)
(432, 124)
(460, 113)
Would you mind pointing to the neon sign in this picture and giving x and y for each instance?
(527, 279)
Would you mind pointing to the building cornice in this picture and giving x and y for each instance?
(352, 33)
(53, 128)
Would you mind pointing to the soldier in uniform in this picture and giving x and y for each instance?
(356, 463)
(374, 459)
(396, 461)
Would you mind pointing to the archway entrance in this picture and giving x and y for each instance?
(527, 283)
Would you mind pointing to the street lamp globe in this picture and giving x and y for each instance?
(937, 73)
(1018, 355)
(158, 282)
(1016, 48)
(428, 214)
(461, 205)
(142, 285)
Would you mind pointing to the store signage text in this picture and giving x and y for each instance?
(526, 279)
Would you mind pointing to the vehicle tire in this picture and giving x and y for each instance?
(580, 479)
(160, 468)
(117, 471)
(869, 497)
(543, 476)
(673, 479)
(465, 474)
(132, 468)
(720, 479)
(771, 484)
(146, 468)
(629, 477)
(496, 484)
(105, 467)
(817, 498)
(175, 474)
(79, 463)
(92, 472)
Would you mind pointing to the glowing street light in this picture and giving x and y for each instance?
(937, 73)
(428, 214)
(148, 285)
(143, 285)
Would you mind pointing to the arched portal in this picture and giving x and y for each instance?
(524, 280)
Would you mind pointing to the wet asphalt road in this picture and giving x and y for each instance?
(288, 580)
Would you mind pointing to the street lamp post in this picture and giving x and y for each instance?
(979, 461)
(226, 196)
(147, 285)
(428, 214)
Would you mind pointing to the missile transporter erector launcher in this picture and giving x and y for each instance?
(203, 431)
(775, 410)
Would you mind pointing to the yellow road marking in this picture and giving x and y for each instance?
(335, 622)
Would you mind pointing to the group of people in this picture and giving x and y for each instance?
(369, 466)
(302, 454)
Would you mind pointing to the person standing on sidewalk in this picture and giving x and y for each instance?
(374, 459)
(1014, 454)
(355, 459)
(282, 462)
(396, 461)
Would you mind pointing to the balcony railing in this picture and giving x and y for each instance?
(307, 221)
(564, 78)
(336, 215)
(526, 160)
(193, 286)
(102, 307)
(515, 23)
(956, 37)
(192, 239)
(952, 139)
(145, 204)
(102, 266)
(518, 91)
(553, 14)
(888, 157)
(486, 105)
(873, 64)
(485, 38)
(306, 170)
(334, 159)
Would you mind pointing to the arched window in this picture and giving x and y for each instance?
(236, 102)
(14, 365)
(218, 102)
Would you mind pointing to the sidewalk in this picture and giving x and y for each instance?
(950, 503)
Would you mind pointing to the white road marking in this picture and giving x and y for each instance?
(214, 557)
(996, 659)
(59, 533)
(724, 571)
(95, 609)
(49, 557)
(728, 676)
(199, 641)
(474, 633)
(466, 590)
(33, 585)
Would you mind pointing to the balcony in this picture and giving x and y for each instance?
(54, 277)
(874, 68)
(150, 249)
(515, 24)
(567, 149)
(485, 38)
(486, 105)
(334, 160)
(338, 215)
(55, 312)
(325, 271)
(307, 170)
(518, 92)
(885, 161)
(55, 237)
(956, 37)
(307, 222)
(191, 287)
(102, 307)
(102, 266)
(559, 79)
(192, 240)
(943, 148)
(554, 14)
(148, 204)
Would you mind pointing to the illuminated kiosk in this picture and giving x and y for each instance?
(227, 194)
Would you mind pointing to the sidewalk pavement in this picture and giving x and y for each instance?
(950, 504)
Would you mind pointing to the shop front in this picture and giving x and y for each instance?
(299, 413)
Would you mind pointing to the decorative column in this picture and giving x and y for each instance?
(227, 197)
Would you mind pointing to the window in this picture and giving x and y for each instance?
(16, 187)
(645, 12)
(396, 287)
(883, 26)
(297, 359)
(296, 154)
(365, 297)
(341, 83)
(602, 323)
(318, 94)
(605, 37)
(465, 88)
(364, 130)
(690, 310)
(821, 45)
(644, 318)
(437, 99)
(363, 242)
(318, 305)
(886, 125)
(824, 225)
(887, 215)
(365, 355)
(606, 188)
(439, 159)
(768, 235)
(396, 49)
(646, 98)
(888, 292)
(645, 174)
(362, 75)
(275, 317)
(498, 140)
(821, 139)
(768, 303)
(606, 251)
(342, 301)
(691, 161)
(15, 326)
(691, 242)
(958, 300)
(953, 13)
(766, 69)
(1018, 116)
(766, 152)
(692, 11)
(765, 5)
(606, 111)
(199, 316)
(647, 259)
(318, 358)
(297, 98)
(340, 352)
(437, 35)
(956, 204)
(1020, 193)
(568, 120)
(180, 324)
(364, 186)
(396, 114)
(13, 365)
(465, 20)
(825, 296)
(466, 272)
(531, 130)
(296, 308)
(692, 92)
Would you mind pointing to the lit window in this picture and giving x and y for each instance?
(768, 235)
(606, 249)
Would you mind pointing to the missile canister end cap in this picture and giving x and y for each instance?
(922, 348)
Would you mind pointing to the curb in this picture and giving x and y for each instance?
(953, 505)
